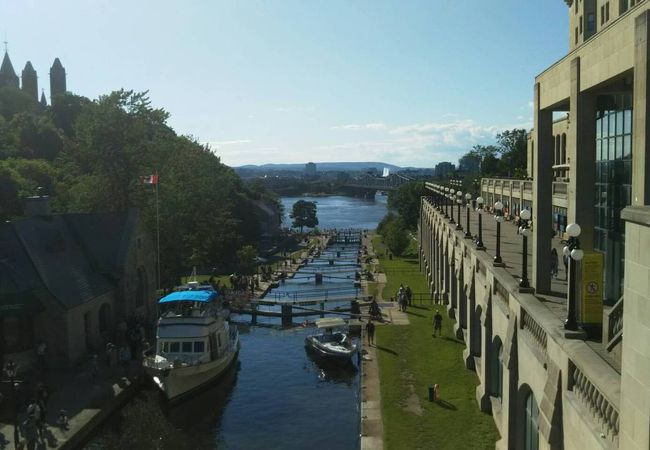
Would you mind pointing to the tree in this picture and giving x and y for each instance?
(406, 201)
(303, 214)
(247, 259)
(512, 148)
(396, 237)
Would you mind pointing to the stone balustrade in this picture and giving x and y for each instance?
(615, 325)
(603, 410)
(534, 330)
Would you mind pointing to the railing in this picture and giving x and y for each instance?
(534, 330)
(606, 414)
(528, 186)
(615, 325)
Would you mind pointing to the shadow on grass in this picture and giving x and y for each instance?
(420, 307)
(386, 349)
(446, 405)
(453, 340)
(411, 313)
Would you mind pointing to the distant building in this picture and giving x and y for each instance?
(310, 169)
(69, 280)
(443, 169)
(9, 78)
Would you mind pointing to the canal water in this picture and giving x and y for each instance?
(341, 212)
(277, 396)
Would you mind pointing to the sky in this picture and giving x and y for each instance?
(406, 82)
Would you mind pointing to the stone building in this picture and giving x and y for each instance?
(68, 279)
(548, 387)
(9, 78)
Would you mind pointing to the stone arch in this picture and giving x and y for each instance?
(495, 367)
(528, 419)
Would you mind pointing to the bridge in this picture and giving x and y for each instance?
(390, 183)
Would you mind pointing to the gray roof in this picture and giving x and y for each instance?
(73, 256)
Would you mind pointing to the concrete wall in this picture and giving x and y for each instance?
(76, 336)
(537, 357)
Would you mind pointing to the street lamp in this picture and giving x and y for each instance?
(451, 205)
(11, 369)
(459, 201)
(468, 197)
(479, 210)
(524, 217)
(445, 195)
(498, 216)
(575, 253)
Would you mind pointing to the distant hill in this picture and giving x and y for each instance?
(325, 166)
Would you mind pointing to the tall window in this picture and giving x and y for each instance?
(613, 186)
(531, 415)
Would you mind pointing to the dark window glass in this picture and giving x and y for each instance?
(174, 347)
(619, 122)
(619, 147)
(627, 146)
(187, 347)
(199, 347)
(627, 117)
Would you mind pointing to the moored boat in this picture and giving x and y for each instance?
(194, 342)
(331, 345)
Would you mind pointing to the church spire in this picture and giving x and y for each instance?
(30, 81)
(57, 79)
(8, 75)
(43, 99)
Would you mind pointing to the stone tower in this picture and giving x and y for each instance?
(57, 79)
(43, 100)
(30, 81)
(8, 75)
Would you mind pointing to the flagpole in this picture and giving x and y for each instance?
(157, 231)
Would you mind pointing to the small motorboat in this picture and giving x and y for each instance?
(331, 345)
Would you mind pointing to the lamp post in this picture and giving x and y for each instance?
(468, 197)
(445, 199)
(575, 253)
(479, 210)
(524, 217)
(11, 369)
(498, 217)
(459, 201)
(452, 197)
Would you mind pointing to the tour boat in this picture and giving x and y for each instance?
(330, 345)
(194, 342)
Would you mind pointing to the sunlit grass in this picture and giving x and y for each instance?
(410, 360)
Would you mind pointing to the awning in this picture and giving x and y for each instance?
(190, 296)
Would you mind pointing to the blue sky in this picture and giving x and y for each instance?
(411, 83)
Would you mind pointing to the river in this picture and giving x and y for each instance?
(276, 396)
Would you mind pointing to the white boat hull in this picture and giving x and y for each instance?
(178, 382)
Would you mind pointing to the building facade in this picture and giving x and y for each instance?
(9, 78)
(561, 389)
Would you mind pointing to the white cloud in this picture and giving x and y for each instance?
(360, 127)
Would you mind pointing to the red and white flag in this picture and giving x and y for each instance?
(150, 179)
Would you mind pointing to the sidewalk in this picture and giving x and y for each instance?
(86, 398)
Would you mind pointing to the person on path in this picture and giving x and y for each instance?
(554, 262)
(409, 295)
(370, 331)
(437, 323)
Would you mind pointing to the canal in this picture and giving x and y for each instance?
(277, 396)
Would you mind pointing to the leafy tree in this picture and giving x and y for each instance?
(247, 259)
(406, 201)
(396, 237)
(303, 214)
(512, 147)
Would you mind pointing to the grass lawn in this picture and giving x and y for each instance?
(410, 360)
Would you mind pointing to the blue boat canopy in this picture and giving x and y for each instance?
(189, 296)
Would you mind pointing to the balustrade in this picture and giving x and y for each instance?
(615, 325)
(534, 330)
(603, 410)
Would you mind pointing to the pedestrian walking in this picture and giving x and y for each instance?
(437, 323)
(370, 331)
(554, 262)
(409, 295)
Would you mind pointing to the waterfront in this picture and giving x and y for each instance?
(277, 396)
(337, 211)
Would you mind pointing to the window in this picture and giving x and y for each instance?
(174, 347)
(164, 347)
(531, 415)
(199, 347)
(576, 35)
(607, 12)
(580, 25)
(187, 347)
(602, 14)
(591, 22)
(622, 6)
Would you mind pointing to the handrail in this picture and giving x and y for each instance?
(615, 325)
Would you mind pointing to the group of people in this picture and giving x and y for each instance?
(404, 296)
(34, 427)
(555, 263)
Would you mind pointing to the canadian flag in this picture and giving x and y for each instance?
(150, 179)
